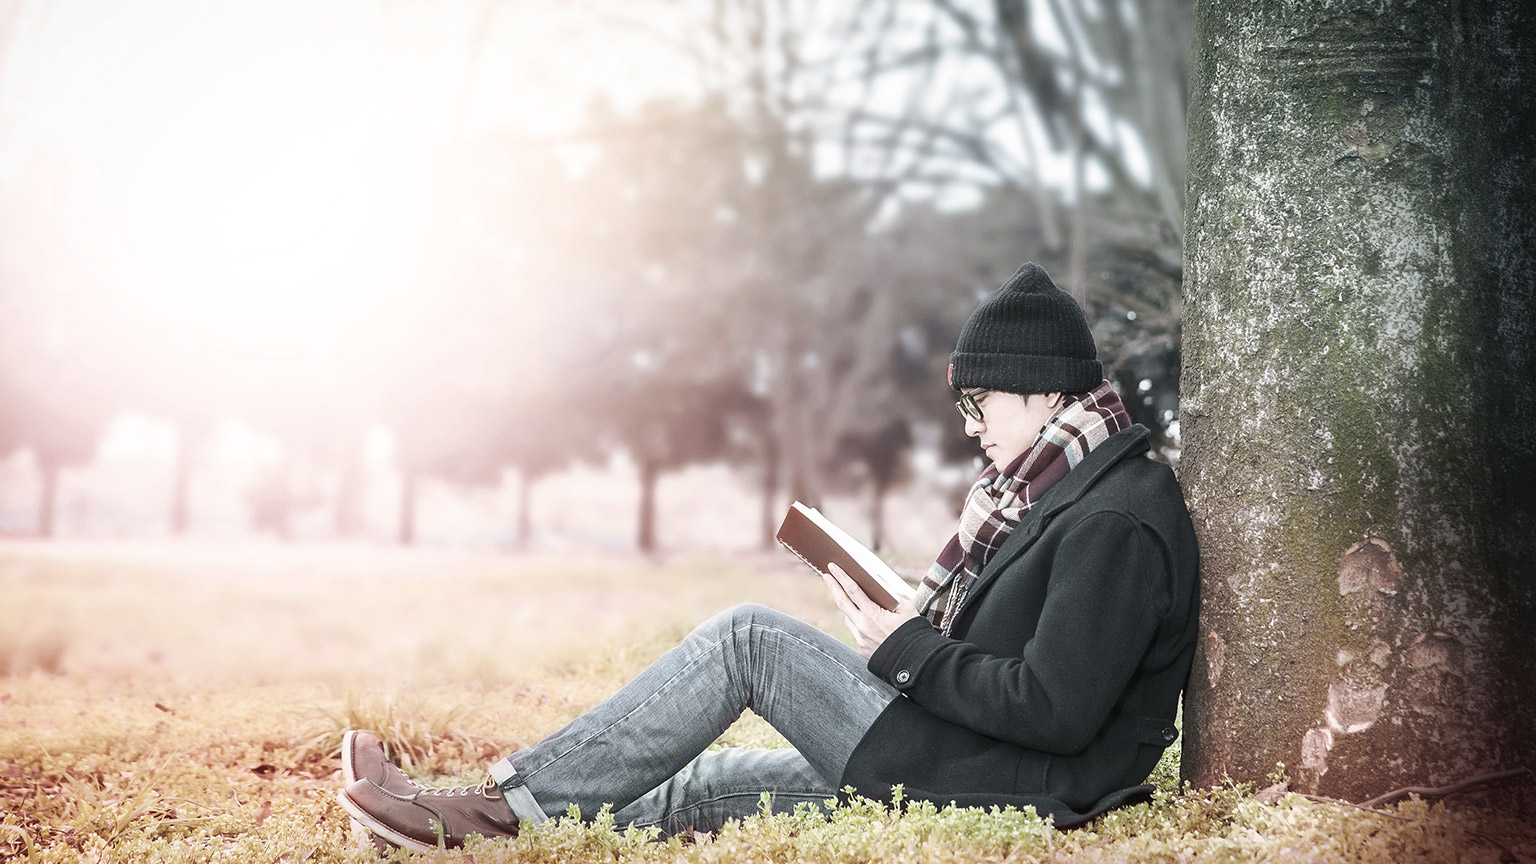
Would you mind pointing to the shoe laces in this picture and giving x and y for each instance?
(486, 789)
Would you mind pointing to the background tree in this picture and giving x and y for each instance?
(61, 425)
(879, 454)
(58, 347)
(1359, 390)
(538, 430)
(814, 307)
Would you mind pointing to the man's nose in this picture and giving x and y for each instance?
(973, 426)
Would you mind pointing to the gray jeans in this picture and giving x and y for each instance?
(643, 750)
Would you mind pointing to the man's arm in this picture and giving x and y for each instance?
(1094, 630)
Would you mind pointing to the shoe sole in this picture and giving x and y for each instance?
(348, 770)
(367, 820)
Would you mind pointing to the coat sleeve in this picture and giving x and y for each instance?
(1096, 624)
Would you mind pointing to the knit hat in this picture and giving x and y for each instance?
(1026, 337)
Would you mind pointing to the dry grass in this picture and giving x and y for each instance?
(186, 704)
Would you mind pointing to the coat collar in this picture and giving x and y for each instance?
(1117, 447)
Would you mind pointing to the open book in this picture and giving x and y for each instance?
(818, 542)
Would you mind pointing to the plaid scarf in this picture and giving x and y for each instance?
(998, 500)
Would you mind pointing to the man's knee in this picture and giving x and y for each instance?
(742, 615)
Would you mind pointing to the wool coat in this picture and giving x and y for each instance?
(1059, 684)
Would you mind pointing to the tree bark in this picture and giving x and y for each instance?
(1359, 392)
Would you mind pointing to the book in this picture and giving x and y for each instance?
(818, 542)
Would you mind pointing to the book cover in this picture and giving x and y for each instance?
(818, 542)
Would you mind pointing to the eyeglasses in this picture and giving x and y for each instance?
(969, 407)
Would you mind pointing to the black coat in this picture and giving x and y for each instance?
(1060, 685)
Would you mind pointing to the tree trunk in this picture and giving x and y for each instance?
(181, 486)
(47, 497)
(877, 514)
(794, 432)
(646, 537)
(408, 480)
(347, 518)
(1359, 392)
(770, 503)
(524, 508)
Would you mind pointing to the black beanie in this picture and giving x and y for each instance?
(1026, 337)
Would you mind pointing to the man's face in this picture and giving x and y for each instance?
(1010, 423)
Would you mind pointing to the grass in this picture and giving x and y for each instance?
(187, 704)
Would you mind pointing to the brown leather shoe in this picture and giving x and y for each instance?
(363, 758)
(427, 819)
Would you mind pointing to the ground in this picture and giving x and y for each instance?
(182, 702)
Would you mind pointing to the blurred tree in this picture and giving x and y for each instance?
(1100, 86)
(1105, 83)
(11, 435)
(667, 421)
(538, 433)
(668, 183)
(444, 435)
(879, 453)
(494, 366)
(800, 314)
(536, 428)
(54, 412)
(1359, 394)
(190, 437)
(270, 499)
(319, 424)
(59, 360)
(906, 102)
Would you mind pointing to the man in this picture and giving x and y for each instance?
(1040, 662)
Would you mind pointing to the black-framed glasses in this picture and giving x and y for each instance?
(969, 407)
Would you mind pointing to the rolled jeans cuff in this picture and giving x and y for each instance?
(516, 793)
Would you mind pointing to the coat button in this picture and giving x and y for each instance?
(903, 677)
(1170, 734)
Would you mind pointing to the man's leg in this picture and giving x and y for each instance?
(816, 691)
(721, 785)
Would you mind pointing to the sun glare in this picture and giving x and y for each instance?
(258, 175)
(282, 228)
(266, 222)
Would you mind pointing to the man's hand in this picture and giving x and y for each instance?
(869, 622)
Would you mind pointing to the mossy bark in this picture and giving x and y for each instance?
(1359, 392)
